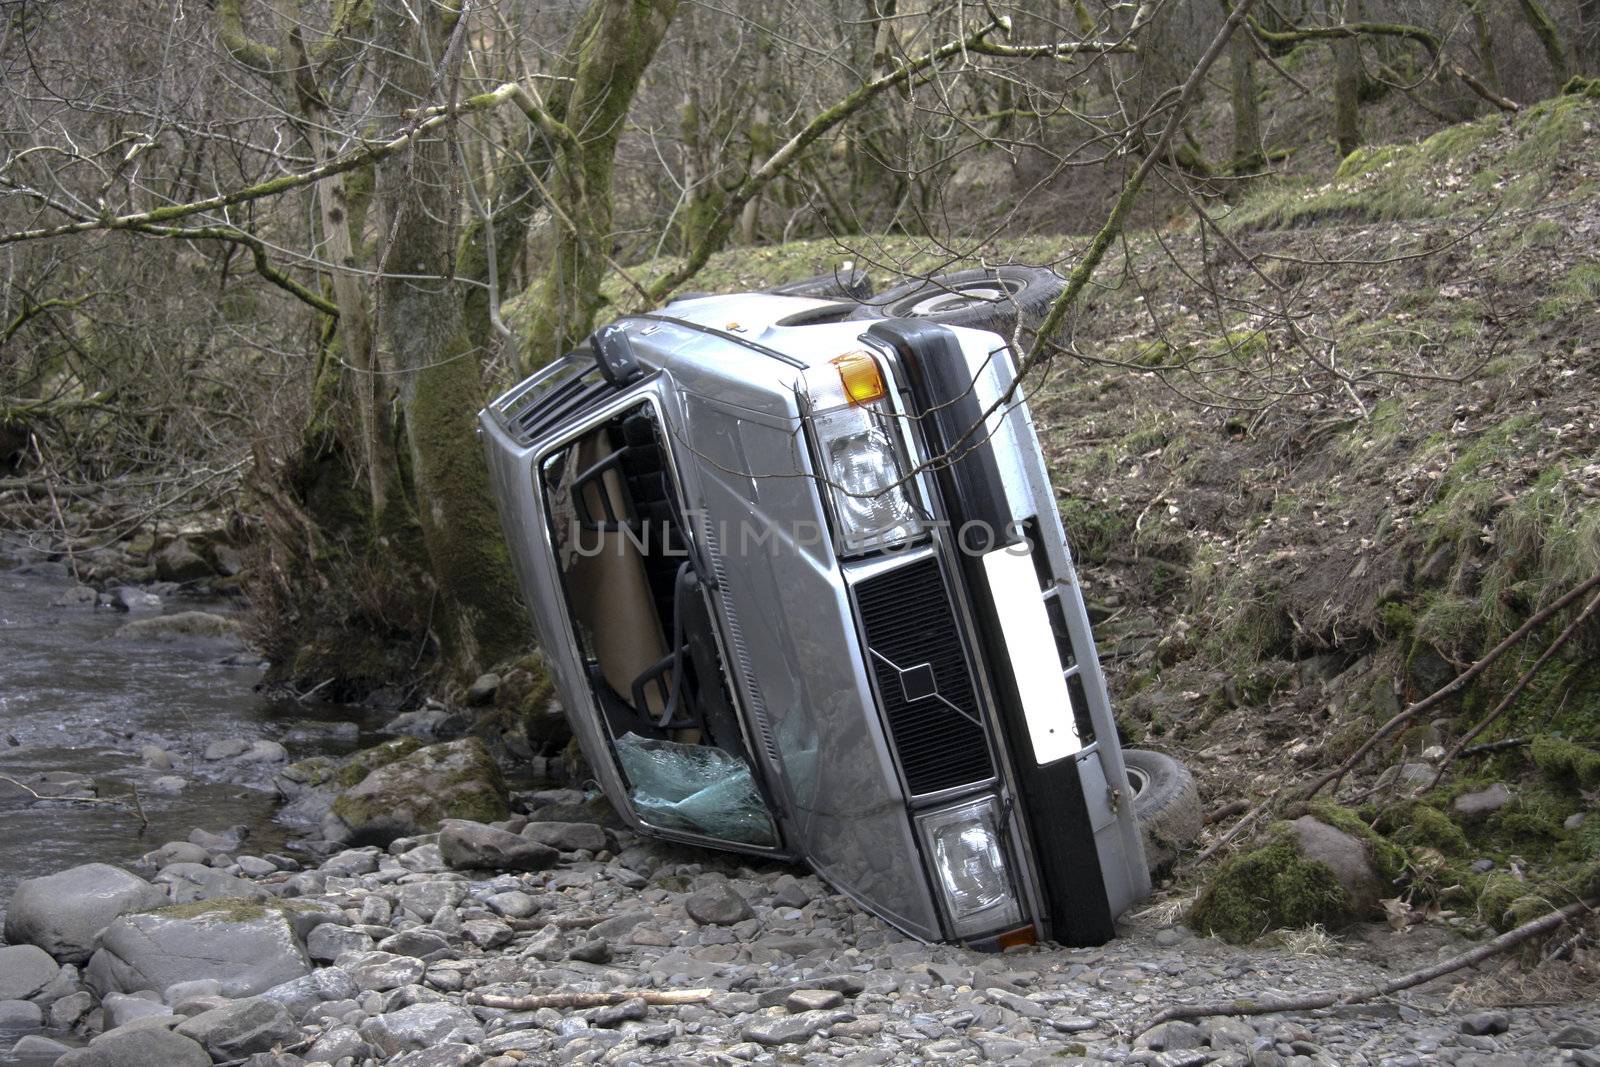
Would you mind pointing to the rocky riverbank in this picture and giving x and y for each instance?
(410, 955)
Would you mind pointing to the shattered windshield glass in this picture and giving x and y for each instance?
(695, 787)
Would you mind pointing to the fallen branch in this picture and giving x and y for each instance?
(592, 1000)
(1450, 688)
(1327, 998)
(1516, 690)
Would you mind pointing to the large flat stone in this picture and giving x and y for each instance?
(245, 946)
(62, 912)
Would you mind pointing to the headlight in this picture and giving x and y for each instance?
(862, 461)
(967, 849)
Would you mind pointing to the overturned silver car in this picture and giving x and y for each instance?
(799, 576)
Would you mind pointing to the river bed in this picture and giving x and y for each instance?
(75, 698)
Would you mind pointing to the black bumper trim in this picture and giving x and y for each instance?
(947, 408)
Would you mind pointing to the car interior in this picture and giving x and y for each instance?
(642, 619)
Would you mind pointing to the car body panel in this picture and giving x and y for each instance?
(727, 381)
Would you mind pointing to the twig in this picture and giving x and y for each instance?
(591, 1000)
(1452, 687)
(1494, 746)
(1238, 827)
(1516, 690)
(1326, 998)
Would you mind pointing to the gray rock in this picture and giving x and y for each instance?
(265, 752)
(62, 912)
(717, 905)
(16, 1015)
(129, 598)
(77, 595)
(1343, 854)
(592, 951)
(789, 891)
(423, 944)
(813, 1000)
(1483, 803)
(382, 971)
(174, 852)
(120, 1009)
(1483, 1023)
(255, 866)
(482, 690)
(36, 1049)
(177, 562)
(789, 1029)
(1028, 1009)
(471, 846)
(1175, 1035)
(329, 941)
(155, 757)
(244, 1027)
(513, 904)
(1181, 1058)
(65, 1013)
(351, 862)
(568, 836)
(450, 1054)
(1575, 1036)
(425, 899)
(227, 748)
(628, 1011)
(455, 780)
(300, 995)
(246, 947)
(421, 1026)
(178, 992)
(24, 970)
(183, 625)
(492, 933)
(141, 1046)
(227, 841)
(190, 883)
(337, 1044)
(169, 785)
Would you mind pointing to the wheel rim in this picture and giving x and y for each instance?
(960, 297)
(1138, 780)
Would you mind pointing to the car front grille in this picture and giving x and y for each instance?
(924, 683)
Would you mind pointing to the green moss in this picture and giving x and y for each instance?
(233, 909)
(1568, 765)
(1418, 825)
(1397, 619)
(1451, 624)
(1542, 233)
(1269, 888)
(1388, 858)
(368, 760)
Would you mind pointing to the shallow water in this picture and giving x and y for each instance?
(73, 698)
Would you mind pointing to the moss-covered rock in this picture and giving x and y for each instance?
(1565, 764)
(412, 794)
(1309, 872)
(363, 763)
(1418, 825)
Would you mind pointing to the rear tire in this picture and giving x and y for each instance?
(1166, 805)
(852, 284)
(994, 299)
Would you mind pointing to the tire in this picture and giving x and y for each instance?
(852, 284)
(994, 299)
(1166, 805)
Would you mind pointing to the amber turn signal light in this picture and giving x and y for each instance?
(863, 381)
(1023, 935)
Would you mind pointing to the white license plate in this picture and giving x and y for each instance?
(1031, 647)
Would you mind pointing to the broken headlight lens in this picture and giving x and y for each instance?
(966, 847)
(861, 461)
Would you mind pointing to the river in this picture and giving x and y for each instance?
(74, 698)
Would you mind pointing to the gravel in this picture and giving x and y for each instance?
(403, 946)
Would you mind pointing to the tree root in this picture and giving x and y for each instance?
(1327, 998)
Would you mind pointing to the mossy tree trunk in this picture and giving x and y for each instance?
(1248, 152)
(423, 326)
(1347, 95)
(608, 62)
(1549, 34)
